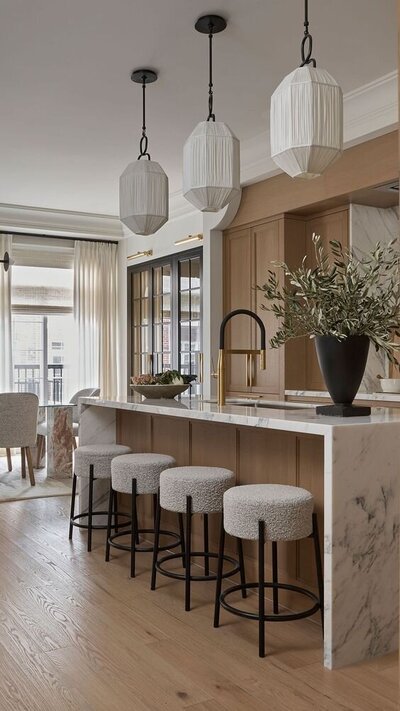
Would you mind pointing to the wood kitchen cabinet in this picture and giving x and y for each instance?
(330, 225)
(248, 254)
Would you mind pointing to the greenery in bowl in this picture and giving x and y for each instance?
(168, 377)
(344, 295)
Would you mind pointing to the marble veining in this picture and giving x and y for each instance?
(362, 545)
(368, 225)
(59, 442)
(361, 504)
(290, 420)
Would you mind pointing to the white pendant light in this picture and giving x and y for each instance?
(143, 186)
(211, 154)
(306, 121)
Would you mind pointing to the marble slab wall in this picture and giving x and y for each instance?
(369, 225)
(361, 578)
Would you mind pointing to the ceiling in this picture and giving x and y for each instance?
(70, 116)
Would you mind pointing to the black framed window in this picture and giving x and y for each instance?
(165, 315)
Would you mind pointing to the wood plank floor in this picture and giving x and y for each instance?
(77, 633)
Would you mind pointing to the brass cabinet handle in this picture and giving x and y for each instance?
(150, 363)
(250, 370)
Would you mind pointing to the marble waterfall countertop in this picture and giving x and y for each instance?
(290, 417)
(361, 506)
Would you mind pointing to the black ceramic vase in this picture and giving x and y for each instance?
(342, 365)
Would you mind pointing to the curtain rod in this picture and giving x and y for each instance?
(74, 239)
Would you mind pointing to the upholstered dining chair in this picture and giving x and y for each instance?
(18, 423)
(42, 426)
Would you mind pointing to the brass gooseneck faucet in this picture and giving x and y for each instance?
(249, 353)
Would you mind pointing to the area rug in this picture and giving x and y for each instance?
(14, 488)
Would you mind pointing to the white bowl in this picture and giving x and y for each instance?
(157, 392)
(390, 385)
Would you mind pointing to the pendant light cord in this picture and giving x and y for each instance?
(306, 41)
(144, 141)
(211, 115)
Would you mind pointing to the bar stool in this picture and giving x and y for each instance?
(93, 461)
(194, 490)
(138, 474)
(272, 512)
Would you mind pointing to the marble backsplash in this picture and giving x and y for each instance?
(369, 225)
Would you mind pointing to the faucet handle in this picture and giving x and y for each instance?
(263, 358)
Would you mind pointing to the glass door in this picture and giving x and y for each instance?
(164, 312)
(162, 319)
(189, 319)
(141, 321)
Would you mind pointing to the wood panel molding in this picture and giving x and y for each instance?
(255, 456)
(368, 164)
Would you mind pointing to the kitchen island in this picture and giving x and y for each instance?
(350, 465)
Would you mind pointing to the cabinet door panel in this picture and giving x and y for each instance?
(267, 247)
(237, 296)
(331, 226)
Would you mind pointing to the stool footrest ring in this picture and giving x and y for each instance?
(196, 554)
(74, 520)
(279, 617)
(143, 549)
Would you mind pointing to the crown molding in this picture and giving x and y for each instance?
(369, 111)
(26, 218)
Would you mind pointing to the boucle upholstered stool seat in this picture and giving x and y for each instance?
(193, 490)
(137, 474)
(269, 512)
(205, 486)
(145, 468)
(285, 510)
(92, 462)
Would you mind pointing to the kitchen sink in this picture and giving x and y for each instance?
(265, 404)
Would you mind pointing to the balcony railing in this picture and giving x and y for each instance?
(28, 379)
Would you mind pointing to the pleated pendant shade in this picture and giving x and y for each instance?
(143, 197)
(211, 166)
(306, 122)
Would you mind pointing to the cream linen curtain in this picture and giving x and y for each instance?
(95, 309)
(6, 374)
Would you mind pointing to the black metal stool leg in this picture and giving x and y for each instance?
(134, 528)
(218, 586)
(182, 537)
(206, 546)
(318, 562)
(72, 512)
(241, 564)
(261, 602)
(188, 551)
(90, 509)
(275, 591)
(115, 510)
(156, 543)
(109, 522)
(154, 510)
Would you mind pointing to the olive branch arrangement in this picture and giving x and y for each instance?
(344, 295)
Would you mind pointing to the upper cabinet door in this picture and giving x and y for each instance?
(238, 295)
(267, 247)
(330, 226)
